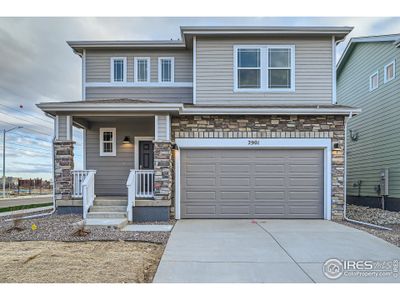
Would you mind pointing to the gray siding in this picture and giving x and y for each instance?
(162, 127)
(378, 125)
(113, 171)
(98, 63)
(214, 71)
(62, 127)
(169, 94)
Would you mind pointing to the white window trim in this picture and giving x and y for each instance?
(138, 139)
(172, 59)
(264, 69)
(385, 79)
(135, 69)
(293, 143)
(114, 142)
(112, 70)
(370, 81)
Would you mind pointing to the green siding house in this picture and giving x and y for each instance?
(368, 77)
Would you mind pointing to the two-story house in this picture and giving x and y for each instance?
(369, 78)
(228, 122)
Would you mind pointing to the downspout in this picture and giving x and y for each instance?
(345, 184)
(54, 185)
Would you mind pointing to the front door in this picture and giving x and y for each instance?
(146, 155)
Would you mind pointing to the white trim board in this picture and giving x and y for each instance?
(140, 84)
(137, 139)
(324, 144)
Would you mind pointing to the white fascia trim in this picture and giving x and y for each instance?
(140, 84)
(370, 81)
(112, 59)
(84, 74)
(333, 70)
(172, 59)
(138, 139)
(87, 106)
(324, 144)
(264, 69)
(385, 79)
(135, 69)
(194, 68)
(267, 111)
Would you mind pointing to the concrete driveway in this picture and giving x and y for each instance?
(271, 251)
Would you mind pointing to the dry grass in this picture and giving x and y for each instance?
(78, 262)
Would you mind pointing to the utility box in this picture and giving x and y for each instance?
(384, 182)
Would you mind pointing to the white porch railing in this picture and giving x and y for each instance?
(88, 192)
(78, 177)
(140, 184)
(144, 183)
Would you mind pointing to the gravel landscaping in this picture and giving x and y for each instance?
(376, 216)
(61, 228)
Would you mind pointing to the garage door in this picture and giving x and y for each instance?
(256, 183)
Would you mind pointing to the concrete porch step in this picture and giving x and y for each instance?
(108, 208)
(111, 201)
(106, 215)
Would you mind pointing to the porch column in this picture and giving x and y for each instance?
(162, 158)
(63, 146)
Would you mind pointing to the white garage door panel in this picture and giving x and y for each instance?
(238, 183)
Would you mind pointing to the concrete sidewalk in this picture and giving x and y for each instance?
(266, 251)
(25, 200)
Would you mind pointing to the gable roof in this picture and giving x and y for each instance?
(394, 38)
(187, 33)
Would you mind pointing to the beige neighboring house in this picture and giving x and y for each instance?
(227, 122)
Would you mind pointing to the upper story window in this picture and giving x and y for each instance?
(108, 141)
(374, 81)
(165, 69)
(118, 69)
(248, 68)
(389, 71)
(266, 68)
(142, 69)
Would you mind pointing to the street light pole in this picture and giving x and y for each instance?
(4, 158)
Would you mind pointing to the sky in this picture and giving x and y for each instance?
(36, 65)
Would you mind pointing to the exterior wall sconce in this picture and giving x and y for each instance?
(126, 140)
(353, 135)
(336, 147)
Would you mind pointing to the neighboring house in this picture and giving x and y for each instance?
(368, 77)
(228, 122)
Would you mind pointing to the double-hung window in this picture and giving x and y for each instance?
(249, 68)
(142, 69)
(265, 68)
(279, 68)
(165, 69)
(108, 142)
(390, 71)
(374, 81)
(118, 69)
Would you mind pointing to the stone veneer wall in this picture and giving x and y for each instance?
(162, 171)
(63, 165)
(273, 127)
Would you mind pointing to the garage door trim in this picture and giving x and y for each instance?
(310, 143)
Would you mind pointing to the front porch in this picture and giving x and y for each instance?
(127, 167)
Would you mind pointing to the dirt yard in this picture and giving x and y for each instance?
(78, 262)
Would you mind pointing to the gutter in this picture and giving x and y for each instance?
(345, 184)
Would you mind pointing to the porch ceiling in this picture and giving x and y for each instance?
(87, 121)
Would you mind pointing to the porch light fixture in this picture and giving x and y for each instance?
(336, 147)
(126, 140)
